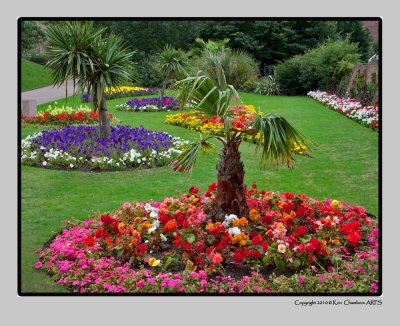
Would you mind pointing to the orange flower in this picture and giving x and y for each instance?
(254, 216)
(243, 222)
(170, 226)
(137, 219)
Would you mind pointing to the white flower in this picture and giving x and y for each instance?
(153, 214)
(163, 237)
(234, 231)
(151, 230)
(228, 219)
(44, 163)
(281, 248)
(71, 166)
(156, 223)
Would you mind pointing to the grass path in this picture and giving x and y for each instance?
(344, 167)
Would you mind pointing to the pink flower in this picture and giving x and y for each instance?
(330, 269)
(140, 283)
(126, 205)
(301, 279)
(314, 269)
(350, 283)
(38, 265)
(322, 278)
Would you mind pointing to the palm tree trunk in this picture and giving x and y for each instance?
(104, 120)
(231, 191)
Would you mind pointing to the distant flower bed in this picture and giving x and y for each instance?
(243, 116)
(123, 91)
(353, 109)
(288, 244)
(79, 147)
(152, 104)
(62, 116)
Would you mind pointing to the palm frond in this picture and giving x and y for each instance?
(276, 138)
(185, 161)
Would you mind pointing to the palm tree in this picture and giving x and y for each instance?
(68, 47)
(273, 134)
(95, 60)
(112, 67)
(171, 63)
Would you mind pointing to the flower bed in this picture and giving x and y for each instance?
(152, 104)
(122, 91)
(243, 116)
(353, 109)
(289, 243)
(79, 147)
(62, 116)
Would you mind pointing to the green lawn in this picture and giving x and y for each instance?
(344, 167)
(34, 75)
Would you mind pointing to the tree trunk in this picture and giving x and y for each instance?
(104, 120)
(231, 191)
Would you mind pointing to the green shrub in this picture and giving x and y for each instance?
(366, 91)
(321, 68)
(239, 66)
(146, 74)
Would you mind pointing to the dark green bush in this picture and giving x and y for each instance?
(146, 74)
(321, 68)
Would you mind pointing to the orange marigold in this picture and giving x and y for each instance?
(170, 226)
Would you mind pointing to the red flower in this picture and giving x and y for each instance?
(89, 241)
(288, 195)
(106, 219)
(200, 247)
(254, 254)
(265, 246)
(257, 239)
(254, 185)
(141, 249)
(239, 256)
(353, 239)
(163, 218)
(193, 190)
(267, 219)
(101, 234)
(301, 230)
(212, 187)
(187, 246)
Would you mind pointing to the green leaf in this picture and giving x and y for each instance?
(279, 262)
(296, 262)
(191, 238)
(266, 259)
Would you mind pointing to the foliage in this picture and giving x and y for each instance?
(136, 248)
(238, 65)
(271, 41)
(266, 85)
(323, 67)
(355, 31)
(367, 91)
(146, 73)
(79, 147)
(32, 34)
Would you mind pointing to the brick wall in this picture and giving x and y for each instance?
(373, 27)
(367, 69)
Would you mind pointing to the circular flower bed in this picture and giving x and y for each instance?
(288, 244)
(152, 104)
(79, 147)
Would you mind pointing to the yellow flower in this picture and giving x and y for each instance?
(154, 262)
(120, 225)
(336, 203)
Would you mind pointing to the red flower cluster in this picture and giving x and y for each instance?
(63, 119)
